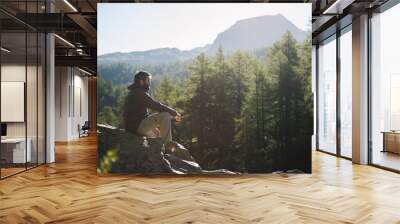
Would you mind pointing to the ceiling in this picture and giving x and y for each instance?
(74, 22)
(331, 15)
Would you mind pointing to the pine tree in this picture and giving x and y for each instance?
(196, 105)
(164, 92)
(240, 111)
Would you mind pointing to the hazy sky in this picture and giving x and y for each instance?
(126, 27)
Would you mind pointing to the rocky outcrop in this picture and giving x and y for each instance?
(137, 154)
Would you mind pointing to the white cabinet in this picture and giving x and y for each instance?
(17, 145)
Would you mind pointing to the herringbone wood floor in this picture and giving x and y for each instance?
(70, 191)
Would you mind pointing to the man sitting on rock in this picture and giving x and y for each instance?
(136, 115)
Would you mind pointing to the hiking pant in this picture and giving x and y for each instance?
(160, 120)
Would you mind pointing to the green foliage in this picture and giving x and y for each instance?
(110, 101)
(166, 91)
(107, 161)
(283, 109)
(240, 111)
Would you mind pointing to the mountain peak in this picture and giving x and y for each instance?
(256, 32)
(247, 34)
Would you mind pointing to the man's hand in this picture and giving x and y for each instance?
(156, 131)
(178, 117)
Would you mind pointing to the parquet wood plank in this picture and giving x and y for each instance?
(70, 191)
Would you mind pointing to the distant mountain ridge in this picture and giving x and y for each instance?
(247, 34)
(154, 56)
(256, 32)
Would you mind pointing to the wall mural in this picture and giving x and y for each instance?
(204, 88)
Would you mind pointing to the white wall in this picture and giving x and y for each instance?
(80, 112)
(71, 94)
(61, 103)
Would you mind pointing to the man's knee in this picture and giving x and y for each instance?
(165, 115)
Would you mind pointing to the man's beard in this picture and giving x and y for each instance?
(146, 87)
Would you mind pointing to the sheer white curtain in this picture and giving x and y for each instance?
(346, 93)
(327, 96)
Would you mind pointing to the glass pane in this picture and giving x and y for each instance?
(31, 98)
(386, 89)
(13, 87)
(327, 96)
(41, 98)
(346, 94)
(31, 88)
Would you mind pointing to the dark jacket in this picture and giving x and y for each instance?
(136, 108)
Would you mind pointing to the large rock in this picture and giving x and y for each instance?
(136, 154)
